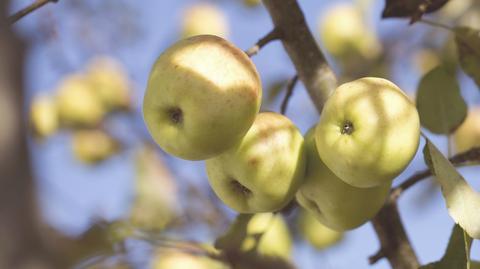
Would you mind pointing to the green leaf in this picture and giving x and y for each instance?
(457, 254)
(463, 202)
(439, 102)
(468, 47)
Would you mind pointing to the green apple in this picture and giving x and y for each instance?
(44, 116)
(317, 234)
(202, 97)
(93, 146)
(467, 135)
(345, 33)
(171, 259)
(263, 171)
(335, 203)
(110, 82)
(368, 133)
(265, 233)
(204, 19)
(77, 102)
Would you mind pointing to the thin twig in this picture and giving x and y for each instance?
(275, 34)
(460, 159)
(29, 9)
(376, 257)
(290, 86)
(436, 24)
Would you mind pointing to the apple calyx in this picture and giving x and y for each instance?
(238, 187)
(347, 128)
(176, 115)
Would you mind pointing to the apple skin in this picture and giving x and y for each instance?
(317, 234)
(368, 133)
(262, 172)
(204, 19)
(274, 242)
(202, 97)
(467, 134)
(335, 203)
(171, 259)
(44, 116)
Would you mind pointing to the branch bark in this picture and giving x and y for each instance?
(312, 67)
(319, 79)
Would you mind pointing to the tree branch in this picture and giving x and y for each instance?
(471, 155)
(29, 9)
(290, 86)
(311, 65)
(271, 36)
(395, 245)
(320, 81)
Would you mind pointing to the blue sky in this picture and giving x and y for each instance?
(72, 193)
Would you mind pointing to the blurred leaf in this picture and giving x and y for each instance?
(439, 102)
(413, 9)
(251, 260)
(235, 236)
(468, 47)
(457, 254)
(463, 202)
(155, 201)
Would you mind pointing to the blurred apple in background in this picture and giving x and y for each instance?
(468, 134)
(92, 146)
(317, 234)
(110, 81)
(43, 116)
(252, 3)
(155, 202)
(176, 259)
(203, 19)
(265, 233)
(345, 33)
(77, 102)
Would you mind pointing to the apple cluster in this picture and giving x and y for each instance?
(202, 103)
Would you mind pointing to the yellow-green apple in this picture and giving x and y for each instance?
(44, 116)
(468, 134)
(368, 132)
(344, 33)
(333, 202)
(202, 97)
(317, 234)
(265, 233)
(93, 146)
(77, 102)
(110, 82)
(204, 19)
(171, 259)
(263, 171)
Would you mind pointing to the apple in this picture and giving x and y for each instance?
(368, 133)
(110, 82)
(467, 134)
(263, 171)
(204, 19)
(175, 259)
(44, 116)
(156, 200)
(345, 33)
(202, 97)
(265, 233)
(93, 146)
(252, 3)
(333, 202)
(77, 102)
(317, 234)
